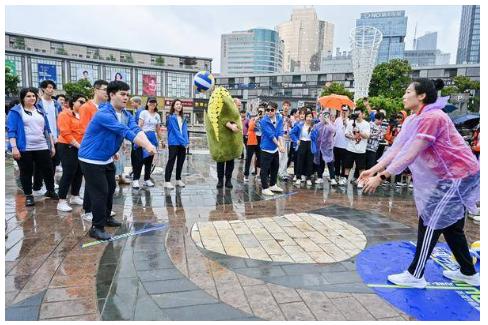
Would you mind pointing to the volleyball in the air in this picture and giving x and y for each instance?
(203, 81)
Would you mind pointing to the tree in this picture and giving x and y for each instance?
(159, 60)
(82, 87)
(61, 51)
(463, 84)
(390, 105)
(11, 82)
(338, 89)
(390, 79)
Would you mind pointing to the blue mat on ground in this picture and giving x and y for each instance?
(442, 300)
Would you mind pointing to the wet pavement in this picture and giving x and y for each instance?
(219, 255)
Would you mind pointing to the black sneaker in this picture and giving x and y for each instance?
(111, 222)
(220, 183)
(29, 200)
(99, 234)
(53, 195)
(228, 183)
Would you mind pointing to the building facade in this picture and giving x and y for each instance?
(426, 42)
(252, 51)
(469, 36)
(304, 88)
(165, 76)
(393, 25)
(427, 57)
(306, 39)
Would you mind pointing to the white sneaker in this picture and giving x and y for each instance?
(456, 275)
(180, 183)
(246, 180)
(333, 182)
(473, 217)
(294, 178)
(342, 181)
(38, 193)
(400, 184)
(303, 179)
(87, 216)
(276, 188)
(168, 185)
(410, 185)
(112, 213)
(267, 192)
(325, 173)
(148, 183)
(56, 186)
(298, 182)
(407, 280)
(135, 184)
(59, 169)
(309, 182)
(319, 181)
(76, 200)
(63, 206)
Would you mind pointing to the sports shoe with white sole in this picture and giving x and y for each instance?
(87, 216)
(456, 275)
(267, 192)
(309, 182)
(333, 182)
(135, 184)
(148, 183)
(63, 206)
(298, 182)
(246, 180)
(319, 181)
(406, 279)
(180, 183)
(77, 200)
(342, 181)
(276, 188)
(168, 185)
(112, 213)
(38, 193)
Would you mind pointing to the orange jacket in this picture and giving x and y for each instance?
(252, 140)
(69, 127)
(87, 111)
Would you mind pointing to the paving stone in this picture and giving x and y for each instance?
(283, 294)
(210, 312)
(26, 313)
(155, 287)
(159, 274)
(376, 306)
(262, 303)
(297, 311)
(352, 309)
(186, 298)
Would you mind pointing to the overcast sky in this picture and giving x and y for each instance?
(195, 31)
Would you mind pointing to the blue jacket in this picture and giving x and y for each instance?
(175, 136)
(295, 133)
(15, 127)
(270, 131)
(105, 133)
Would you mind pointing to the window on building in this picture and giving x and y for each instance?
(80, 70)
(178, 85)
(15, 62)
(48, 66)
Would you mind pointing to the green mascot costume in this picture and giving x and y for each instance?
(224, 144)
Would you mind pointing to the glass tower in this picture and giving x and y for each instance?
(469, 36)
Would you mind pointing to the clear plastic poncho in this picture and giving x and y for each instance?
(445, 172)
(324, 134)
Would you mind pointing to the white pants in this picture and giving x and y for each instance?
(282, 172)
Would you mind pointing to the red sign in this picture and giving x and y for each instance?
(184, 102)
(148, 85)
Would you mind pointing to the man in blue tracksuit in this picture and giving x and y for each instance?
(102, 139)
(271, 143)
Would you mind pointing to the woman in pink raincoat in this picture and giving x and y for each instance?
(446, 181)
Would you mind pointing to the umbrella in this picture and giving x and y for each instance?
(336, 101)
(449, 108)
(471, 119)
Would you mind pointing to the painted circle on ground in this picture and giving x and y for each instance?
(296, 238)
(442, 300)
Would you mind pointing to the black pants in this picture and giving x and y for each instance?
(225, 168)
(38, 177)
(250, 151)
(321, 167)
(270, 163)
(86, 200)
(371, 159)
(41, 159)
(304, 159)
(178, 154)
(138, 161)
(244, 141)
(355, 158)
(100, 184)
(291, 156)
(339, 158)
(72, 175)
(455, 239)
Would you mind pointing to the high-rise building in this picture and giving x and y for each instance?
(306, 39)
(469, 36)
(393, 26)
(426, 42)
(418, 58)
(251, 51)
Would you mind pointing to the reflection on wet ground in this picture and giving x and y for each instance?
(165, 275)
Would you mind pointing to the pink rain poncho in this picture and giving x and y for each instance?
(445, 172)
(323, 135)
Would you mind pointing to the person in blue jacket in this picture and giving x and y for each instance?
(271, 143)
(102, 139)
(177, 143)
(31, 142)
(301, 135)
